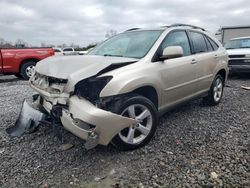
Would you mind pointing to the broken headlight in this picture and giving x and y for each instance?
(49, 84)
(91, 88)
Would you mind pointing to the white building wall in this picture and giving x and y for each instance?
(229, 33)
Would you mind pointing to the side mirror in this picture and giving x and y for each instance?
(172, 52)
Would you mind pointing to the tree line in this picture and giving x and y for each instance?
(20, 43)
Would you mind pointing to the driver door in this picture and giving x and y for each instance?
(178, 74)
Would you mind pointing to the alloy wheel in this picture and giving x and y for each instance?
(138, 132)
(218, 88)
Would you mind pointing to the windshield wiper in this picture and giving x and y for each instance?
(112, 55)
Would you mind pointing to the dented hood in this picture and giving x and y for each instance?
(77, 67)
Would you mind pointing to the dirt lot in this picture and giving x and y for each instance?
(194, 146)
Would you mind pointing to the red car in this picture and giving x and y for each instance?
(21, 62)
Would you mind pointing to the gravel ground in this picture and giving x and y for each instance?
(194, 146)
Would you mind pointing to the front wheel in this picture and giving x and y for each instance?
(216, 91)
(144, 111)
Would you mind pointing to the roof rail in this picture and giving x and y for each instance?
(132, 29)
(188, 25)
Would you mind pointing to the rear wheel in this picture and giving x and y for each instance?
(27, 69)
(216, 91)
(135, 136)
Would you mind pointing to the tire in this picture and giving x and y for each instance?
(216, 91)
(26, 69)
(18, 75)
(137, 135)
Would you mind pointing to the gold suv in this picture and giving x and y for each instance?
(116, 93)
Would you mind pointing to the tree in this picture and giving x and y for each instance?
(2, 42)
(110, 33)
(76, 46)
(64, 45)
(20, 43)
(5, 44)
(90, 46)
(43, 44)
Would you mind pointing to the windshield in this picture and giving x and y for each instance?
(67, 49)
(238, 43)
(134, 44)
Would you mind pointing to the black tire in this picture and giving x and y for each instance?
(24, 69)
(123, 104)
(211, 99)
(18, 75)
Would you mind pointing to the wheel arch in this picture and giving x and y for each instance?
(147, 86)
(27, 60)
(223, 73)
(148, 92)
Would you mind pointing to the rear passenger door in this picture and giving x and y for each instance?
(205, 56)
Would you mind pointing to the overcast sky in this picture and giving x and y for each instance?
(83, 22)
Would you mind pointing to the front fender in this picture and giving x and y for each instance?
(120, 86)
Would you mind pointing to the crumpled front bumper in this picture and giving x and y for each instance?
(83, 119)
(82, 112)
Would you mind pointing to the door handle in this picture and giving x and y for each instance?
(215, 56)
(193, 61)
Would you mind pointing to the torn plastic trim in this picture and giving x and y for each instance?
(107, 124)
(28, 120)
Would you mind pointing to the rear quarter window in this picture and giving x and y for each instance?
(214, 44)
(209, 45)
(198, 41)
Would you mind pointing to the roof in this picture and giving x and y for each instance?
(170, 26)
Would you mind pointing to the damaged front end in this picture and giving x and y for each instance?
(77, 111)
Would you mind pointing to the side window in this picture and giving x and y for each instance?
(209, 45)
(176, 38)
(245, 43)
(215, 46)
(199, 43)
